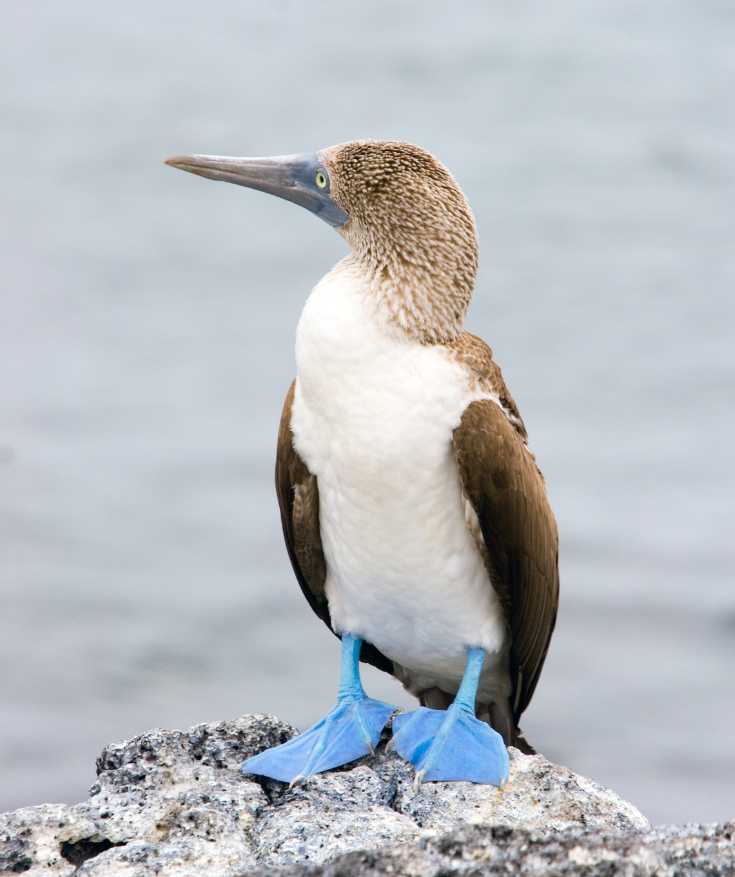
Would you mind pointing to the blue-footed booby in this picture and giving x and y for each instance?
(414, 514)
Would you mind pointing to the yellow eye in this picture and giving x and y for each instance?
(321, 179)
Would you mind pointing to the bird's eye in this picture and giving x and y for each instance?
(321, 179)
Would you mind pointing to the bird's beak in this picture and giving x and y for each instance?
(293, 177)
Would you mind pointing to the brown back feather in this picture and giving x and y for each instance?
(506, 489)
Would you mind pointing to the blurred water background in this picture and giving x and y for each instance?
(146, 334)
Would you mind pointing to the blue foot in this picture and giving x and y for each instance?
(450, 745)
(350, 731)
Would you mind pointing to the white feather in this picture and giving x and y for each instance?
(372, 418)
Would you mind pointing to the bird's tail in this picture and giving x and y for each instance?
(520, 742)
(500, 717)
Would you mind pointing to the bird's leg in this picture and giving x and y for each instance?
(349, 731)
(453, 744)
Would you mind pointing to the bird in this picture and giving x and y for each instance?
(414, 513)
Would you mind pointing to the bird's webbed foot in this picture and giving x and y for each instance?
(349, 731)
(452, 744)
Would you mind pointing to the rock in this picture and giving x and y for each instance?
(167, 802)
(492, 851)
(173, 803)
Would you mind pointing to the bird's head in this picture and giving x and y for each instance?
(409, 226)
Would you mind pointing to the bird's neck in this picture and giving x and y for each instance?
(421, 287)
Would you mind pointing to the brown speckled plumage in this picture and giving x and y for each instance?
(412, 229)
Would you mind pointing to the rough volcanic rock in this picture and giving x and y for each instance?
(173, 803)
(501, 851)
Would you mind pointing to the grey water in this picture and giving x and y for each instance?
(146, 341)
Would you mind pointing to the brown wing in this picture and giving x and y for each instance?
(298, 498)
(502, 482)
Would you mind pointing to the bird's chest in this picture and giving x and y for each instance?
(374, 411)
(373, 418)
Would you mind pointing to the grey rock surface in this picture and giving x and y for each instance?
(693, 851)
(173, 803)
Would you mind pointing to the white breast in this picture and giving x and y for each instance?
(373, 417)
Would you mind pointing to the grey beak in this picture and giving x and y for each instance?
(293, 177)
